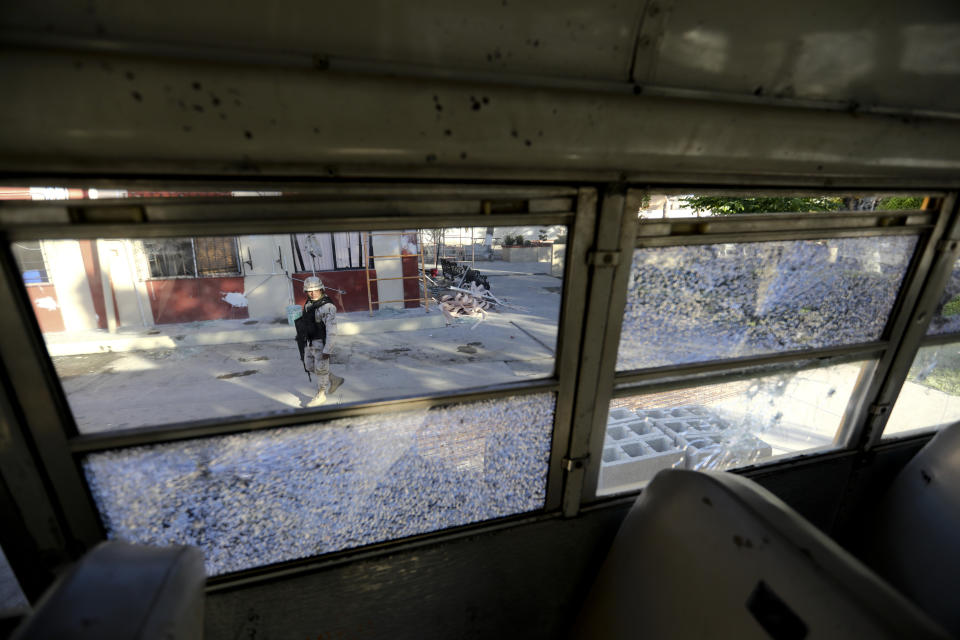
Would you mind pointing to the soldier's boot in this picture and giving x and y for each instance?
(318, 399)
(335, 382)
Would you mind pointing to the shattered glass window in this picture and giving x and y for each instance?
(698, 303)
(947, 317)
(263, 497)
(930, 397)
(434, 311)
(725, 425)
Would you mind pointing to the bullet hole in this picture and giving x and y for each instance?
(819, 167)
(136, 96)
(237, 102)
(215, 101)
(758, 91)
(706, 501)
(485, 100)
(654, 10)
(316, 130)
(100, 30)
(926, 477)
(533, 43)
(332, 171)
(637, 90)
(321, 63)
(475, 104)
(223, 116)
(273, 121)
(187, 128)
(513, 133)
(737, 540)
(540, 133)
(431, 157)
(447, 132)
(248, 135)
(197, 86)
(527, 142)
(129, 75)
(78, 64)
(463, 155)
(554, 111)
(438, 107)
(198, 108)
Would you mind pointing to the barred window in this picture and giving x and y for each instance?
(191, 257)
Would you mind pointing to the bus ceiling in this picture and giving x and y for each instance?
(848, 94)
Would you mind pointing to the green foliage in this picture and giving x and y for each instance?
(952, 308)
(724, 206)
(894, 203)
(946, 380)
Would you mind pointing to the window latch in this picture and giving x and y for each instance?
(603, 258)
(569, 464)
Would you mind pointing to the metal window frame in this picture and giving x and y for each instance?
(929, 225)
(601, 232)
(50, 423)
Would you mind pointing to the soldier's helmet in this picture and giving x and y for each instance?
(312, 283)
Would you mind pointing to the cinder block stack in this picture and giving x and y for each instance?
(641, 442)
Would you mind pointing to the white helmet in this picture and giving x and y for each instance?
(312, 283)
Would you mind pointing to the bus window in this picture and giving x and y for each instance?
(268, 496)
(151, 331)
(930, 397)
(747, 336)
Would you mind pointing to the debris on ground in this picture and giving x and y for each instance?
(467, 303)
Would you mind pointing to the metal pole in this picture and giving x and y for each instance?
(366, 269)
(423, 274)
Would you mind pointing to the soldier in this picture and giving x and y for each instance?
(315, 332)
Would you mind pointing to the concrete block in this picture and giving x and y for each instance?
(630, 461)
(640, 443)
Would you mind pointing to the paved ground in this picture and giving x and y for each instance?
(130, 389)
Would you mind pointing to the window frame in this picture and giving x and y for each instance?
(144, 261)
(860, 426)
(601, 233)
(47, 414)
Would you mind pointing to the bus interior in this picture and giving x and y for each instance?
(645, 318)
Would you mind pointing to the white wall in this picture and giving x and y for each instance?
(66, 271)
(267, 288)
(387, 243)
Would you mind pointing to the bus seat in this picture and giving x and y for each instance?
(916, 535)
(713, 554)
(120, 591)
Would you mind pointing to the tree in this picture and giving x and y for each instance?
(723, 206)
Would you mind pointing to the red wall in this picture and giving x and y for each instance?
(352, 281)
(411, 287)
(193, 299)
(48, 320)
(91, 265)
